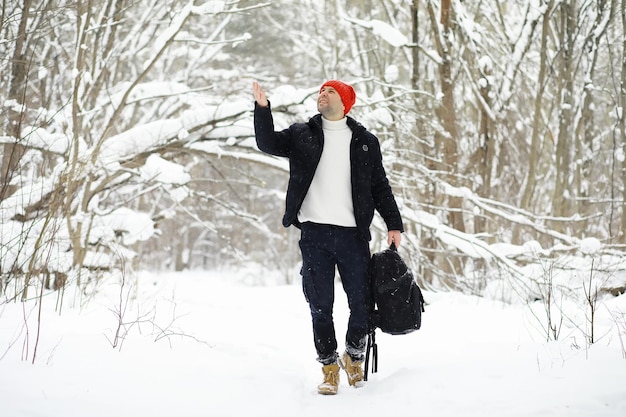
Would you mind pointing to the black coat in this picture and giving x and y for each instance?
(302, 143)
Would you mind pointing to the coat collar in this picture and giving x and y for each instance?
(355, 126)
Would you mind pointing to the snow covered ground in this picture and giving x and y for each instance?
(211, 344)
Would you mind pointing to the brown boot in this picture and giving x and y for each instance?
(331, 380)
(353, 369)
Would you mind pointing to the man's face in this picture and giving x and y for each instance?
(329, 103)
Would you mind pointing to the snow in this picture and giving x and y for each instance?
(139, 139)
(170, 32)
(388, 33)
(210, 7)
(383, 30)
(166, 172)
(40, 138)
(590, 246)
(211, 344)
(392, 73)
(131, 225)
(239, 343)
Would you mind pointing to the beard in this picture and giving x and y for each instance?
(329, 111)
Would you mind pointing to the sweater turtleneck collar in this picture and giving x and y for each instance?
(334, 124)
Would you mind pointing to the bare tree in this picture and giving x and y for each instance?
(19, 65)
(495, 117)
(536, 142)
(621, 139)
(561, 197)
(103, 63)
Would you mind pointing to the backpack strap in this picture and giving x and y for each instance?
(373, 347)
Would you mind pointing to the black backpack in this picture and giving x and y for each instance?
(396, 303)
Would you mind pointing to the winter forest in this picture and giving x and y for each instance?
(128, 144)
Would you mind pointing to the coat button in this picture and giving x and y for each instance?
(365, 148)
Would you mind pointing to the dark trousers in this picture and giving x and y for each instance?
(325, 247)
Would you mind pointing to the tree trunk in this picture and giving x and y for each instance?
(587, 128)
(486, 151)
(537, 127)
(445, 157)
(562, 196)
(13, 153)
(622, 232)
(446, 141)
(415, 39)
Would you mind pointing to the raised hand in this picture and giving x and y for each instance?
(259, 94)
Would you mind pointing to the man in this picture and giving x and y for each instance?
(336, 181)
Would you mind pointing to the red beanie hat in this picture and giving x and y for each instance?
(346, 92)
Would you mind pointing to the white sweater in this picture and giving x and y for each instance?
(329, 199)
